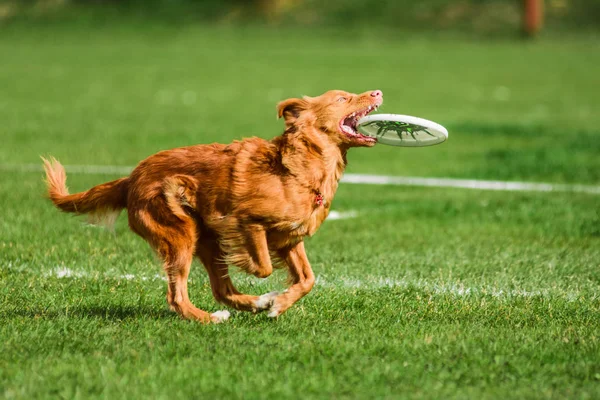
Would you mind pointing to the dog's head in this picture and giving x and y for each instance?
(334, 113)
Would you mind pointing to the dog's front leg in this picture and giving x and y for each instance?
(245, 246)
(258, 250)
(301, 275)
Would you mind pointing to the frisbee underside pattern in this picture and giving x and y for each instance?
(399, 130)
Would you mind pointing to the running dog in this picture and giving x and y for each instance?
(247, 204)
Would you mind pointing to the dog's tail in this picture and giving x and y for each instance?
(103, 202)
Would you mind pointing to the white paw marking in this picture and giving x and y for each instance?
(220, 316)
(273, 311)
(265, 301)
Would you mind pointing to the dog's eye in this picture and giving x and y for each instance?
(341, 99)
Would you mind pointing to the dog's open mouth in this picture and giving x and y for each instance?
(348, 124)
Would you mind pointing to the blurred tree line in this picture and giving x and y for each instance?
(481, 16)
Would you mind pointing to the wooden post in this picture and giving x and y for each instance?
(533, 16)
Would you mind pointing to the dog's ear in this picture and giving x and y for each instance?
(290, 110)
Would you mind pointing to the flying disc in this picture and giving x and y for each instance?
(402, 130)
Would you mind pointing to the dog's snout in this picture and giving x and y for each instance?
(376, 93)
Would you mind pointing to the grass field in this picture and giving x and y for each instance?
(426, 293)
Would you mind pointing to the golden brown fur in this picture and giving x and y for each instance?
(247, 204)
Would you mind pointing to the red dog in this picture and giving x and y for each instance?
(248, 204)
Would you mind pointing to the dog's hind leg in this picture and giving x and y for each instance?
(174, 239)
(177, 263)
(222, 287)
(301, 275)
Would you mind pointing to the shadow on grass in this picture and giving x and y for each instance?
(111, 312)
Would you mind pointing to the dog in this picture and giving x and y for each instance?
(247, 204)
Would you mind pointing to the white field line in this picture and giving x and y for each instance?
(367, 283)
(468, 184)
(335, 215)
(364, 179)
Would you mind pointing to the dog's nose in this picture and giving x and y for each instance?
(376, 93)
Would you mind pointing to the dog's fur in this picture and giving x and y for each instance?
(248, 204)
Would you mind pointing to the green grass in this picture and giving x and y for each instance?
(427, 293)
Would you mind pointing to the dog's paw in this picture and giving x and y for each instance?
(265, 301)
(279, 305)
(274, 311)
(219, 316)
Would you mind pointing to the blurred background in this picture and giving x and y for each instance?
(478, 17)
(113, 81)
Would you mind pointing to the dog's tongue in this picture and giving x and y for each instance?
(348, 125)
(349, 130)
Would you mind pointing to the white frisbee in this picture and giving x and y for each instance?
(402, 130)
